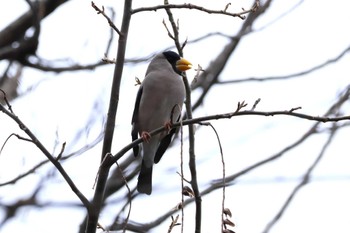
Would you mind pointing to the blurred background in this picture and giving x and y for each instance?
(283, 173)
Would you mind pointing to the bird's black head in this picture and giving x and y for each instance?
(172, 58)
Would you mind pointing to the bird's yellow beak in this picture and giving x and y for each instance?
(183, 65)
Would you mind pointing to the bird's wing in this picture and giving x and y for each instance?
(134, 121)
(164, 143)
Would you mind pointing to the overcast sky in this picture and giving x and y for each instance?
(56, 106)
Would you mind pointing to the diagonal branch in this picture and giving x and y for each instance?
(229, 179)
(42, 163)
(211, 75)
(294, 75)
(305, 180)
(53, 160)
(219, 183)
(15, 31)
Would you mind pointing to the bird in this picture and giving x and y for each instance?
(158, 103)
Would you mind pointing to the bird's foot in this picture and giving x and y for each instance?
(168, 125)
(145, 136)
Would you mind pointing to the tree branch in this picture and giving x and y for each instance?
(229, 116)
(15, 31)
(102, 11)
(208, 78)
(26, 46)
(52, 159)
(199, 8)
(304, 181)
(289, 76)
(98, 198)
(188, 104)
(229, 179)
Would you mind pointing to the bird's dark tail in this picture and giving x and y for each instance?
(144, 183)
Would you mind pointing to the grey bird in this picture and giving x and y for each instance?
(158, 103)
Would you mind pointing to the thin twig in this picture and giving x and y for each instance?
(129, 196)
(8, 138)
(182, 175)
(255, 104)
(98, 199)
(223, 174)
(53, 160)
(175, 28)
(304, 181)
(229, 179)
(35, 167)
(102, 12)
(293, 75)
(229, 116)
(192, 162)
(6, 101)
(59, 156)
(173, 223)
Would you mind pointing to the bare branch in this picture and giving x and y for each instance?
(227, 6)
(173, 223)
(188, 104)
(305, 180)
(182, 175)
(129, 195)
(175, 28)
(195, 7)
(9, 82)
(223, 175)
(12, 209)
(99, 194)
(279, 17)
(218, 184)
(289, 76)
(42, 148)
(15, 30)
(59, 156)
(102, 12)
(58, 69)
(208, 78)
(167, 29)
(229, 115)
(255, 104)
(63, 158)
(8, 138)
(26, 45)
(6, 101)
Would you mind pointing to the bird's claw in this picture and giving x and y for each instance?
(145, 136)
(168, 125)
